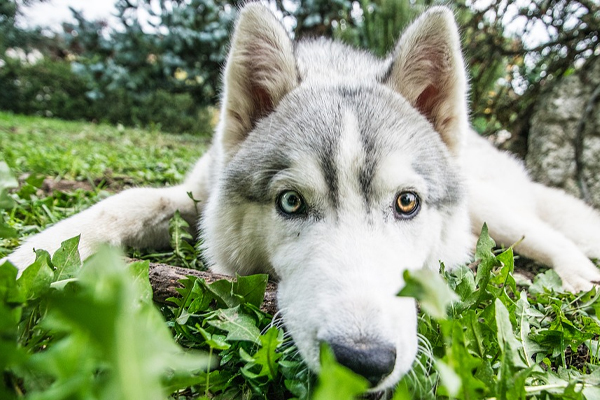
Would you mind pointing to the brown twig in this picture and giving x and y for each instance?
(165, 280)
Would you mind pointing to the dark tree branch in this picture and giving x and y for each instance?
(165, 279)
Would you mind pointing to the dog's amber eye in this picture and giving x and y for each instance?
(407, 204)
(291, 203)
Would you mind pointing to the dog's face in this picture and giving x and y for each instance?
(337, 186)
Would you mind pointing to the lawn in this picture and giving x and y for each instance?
(95, 152)
(69, 331)
(88, 161)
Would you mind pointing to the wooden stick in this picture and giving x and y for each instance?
(165, 279)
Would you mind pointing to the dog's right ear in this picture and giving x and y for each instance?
(260, 70)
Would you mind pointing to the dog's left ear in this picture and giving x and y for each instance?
(428, 70)
(260, 71)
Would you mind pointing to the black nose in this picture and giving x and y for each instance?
(372, 360)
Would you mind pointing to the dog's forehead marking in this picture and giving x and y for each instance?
(348, 161)
(329, 167)
(349, 158)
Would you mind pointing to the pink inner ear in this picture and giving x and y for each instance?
(426, 102)
(262, 101)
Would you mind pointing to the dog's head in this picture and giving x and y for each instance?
(337, 171)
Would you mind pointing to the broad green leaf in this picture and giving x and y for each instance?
(249, 289)
(66, 259)
(10, 291)
(217, 380)
(7, 231)
(71, 363)
(6, 202)
(485, 244)
(402, 391)
(112, 318)
(487, 261)
(505, 277)
(178, 229)
(7, 178)
(591, 392)
(448, 378)
(524, 314)
(267, 355)
(238, 325)
(297, 388)
(461, 359)
(335, 381)
(194, 295)
(547, 281)
(510, 357)
(223, 291)
(215, 341)
(551, 339)
(430, 290)
(516, 383)
(507, 341)
(36, 278)
(11, 301)
(462, 281)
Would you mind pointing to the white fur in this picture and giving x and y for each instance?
(340, 272)
(557, 229)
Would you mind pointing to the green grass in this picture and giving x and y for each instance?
(73, 330)
(83, 151)
(99, 155)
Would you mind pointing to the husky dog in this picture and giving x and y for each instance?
(334, 171)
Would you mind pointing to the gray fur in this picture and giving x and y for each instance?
(308, 121)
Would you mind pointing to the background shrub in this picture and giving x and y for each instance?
(47, 88)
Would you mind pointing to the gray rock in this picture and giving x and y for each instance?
(554, 125)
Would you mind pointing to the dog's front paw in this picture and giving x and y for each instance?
(580, 276)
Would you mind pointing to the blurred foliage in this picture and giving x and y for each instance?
(50, 88)
(47, 88)
(516, 52)
(181, 48)
(376, 25)
(11, 35)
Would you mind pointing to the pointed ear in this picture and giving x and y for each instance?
(260, 70)
(428, 70)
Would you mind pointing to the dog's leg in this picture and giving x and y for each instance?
(135, 217)
(571, 216)
(508, 223)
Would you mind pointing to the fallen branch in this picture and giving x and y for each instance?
(165, 279)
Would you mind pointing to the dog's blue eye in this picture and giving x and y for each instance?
(290, 202)
(407, 205)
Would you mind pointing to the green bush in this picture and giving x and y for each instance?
(47, 88)
(50, 88)
(169, 112)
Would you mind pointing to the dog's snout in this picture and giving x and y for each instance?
(374, 360)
